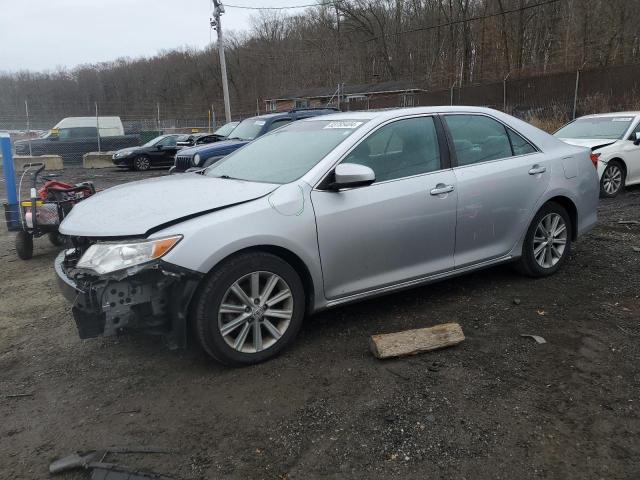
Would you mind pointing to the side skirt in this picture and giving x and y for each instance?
(414, 283)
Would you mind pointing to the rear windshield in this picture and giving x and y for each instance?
(226, 129)
(285, 154)
(597, 127)
(247, 129)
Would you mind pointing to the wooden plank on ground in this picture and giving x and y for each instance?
(411, 342)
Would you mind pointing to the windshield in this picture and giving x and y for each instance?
(247, 129)
(596, 127)
(286, 154)
(152, 142)
(226, 129)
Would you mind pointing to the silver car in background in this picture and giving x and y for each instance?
(320, 213)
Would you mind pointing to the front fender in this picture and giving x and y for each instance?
(209, 239)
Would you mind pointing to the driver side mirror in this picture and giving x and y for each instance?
(636, 138)
(352, 175)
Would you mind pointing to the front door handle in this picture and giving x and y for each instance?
(536, 169)
(441, 189)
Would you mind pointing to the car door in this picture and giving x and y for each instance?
(401, 227)
(168, 150)
(500, 178)
(631, 155)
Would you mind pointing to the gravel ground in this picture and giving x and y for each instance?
(497, 406)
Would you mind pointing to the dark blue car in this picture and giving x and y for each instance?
(248, 130)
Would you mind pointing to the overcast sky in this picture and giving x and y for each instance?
(46, 34)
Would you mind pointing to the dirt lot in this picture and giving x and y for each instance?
(497, 406)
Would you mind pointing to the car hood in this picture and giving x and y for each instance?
(592, 143)
(122, 151)
(214, 149)
(139, 208)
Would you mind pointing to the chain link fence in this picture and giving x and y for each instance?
(547, 101)
(45, 127)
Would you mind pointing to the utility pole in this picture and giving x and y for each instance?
(215, 22)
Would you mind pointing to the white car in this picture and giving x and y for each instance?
(614, 140)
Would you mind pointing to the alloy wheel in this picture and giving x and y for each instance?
(550, 240)
(255, 312)
(142, 163)
(612, 179)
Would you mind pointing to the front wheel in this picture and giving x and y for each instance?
(548, 242)
(24, 245)
(141, 163)
(249, 309)
(612, 181)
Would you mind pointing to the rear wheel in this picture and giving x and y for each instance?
(548, 242)
(24, 245)
(249, 309)
(612, 181)
(142, 163)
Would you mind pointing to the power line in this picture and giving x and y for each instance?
(465, 20)
(280, 8)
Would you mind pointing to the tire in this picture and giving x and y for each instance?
(57, 239)
(535, 263)
(141, 163)
(237, 346)
(24, 245)
(613, 179)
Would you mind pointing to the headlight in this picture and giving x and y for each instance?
(108, 257)
(196, 159)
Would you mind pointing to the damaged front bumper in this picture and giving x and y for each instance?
(153, 298)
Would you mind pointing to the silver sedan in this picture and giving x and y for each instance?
(320, 213)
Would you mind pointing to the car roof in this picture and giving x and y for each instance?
(612, 114)
(389, 113)
(303, 112)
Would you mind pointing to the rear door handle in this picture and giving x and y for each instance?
(441, 189)
(536, 169)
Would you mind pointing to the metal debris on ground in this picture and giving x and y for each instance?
(629, 222)
(537, 338)
(19, 395)
(94, 460)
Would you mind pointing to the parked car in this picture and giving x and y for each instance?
(247, 131)
(72, 137)
(321, 213)
(196, 139)
(614, 139)
(157, 152)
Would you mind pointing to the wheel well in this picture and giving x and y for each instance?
(621, 162)
(571, 209)
(289, 257)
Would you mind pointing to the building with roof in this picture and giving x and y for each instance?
(348, 97)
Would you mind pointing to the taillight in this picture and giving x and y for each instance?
(594, 159)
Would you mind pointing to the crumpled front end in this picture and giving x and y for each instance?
(152, 298)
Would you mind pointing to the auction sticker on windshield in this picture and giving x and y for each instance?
(622, 119)
(343, 124)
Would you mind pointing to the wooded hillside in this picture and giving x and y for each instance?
(432, 43)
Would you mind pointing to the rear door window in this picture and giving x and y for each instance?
(478, 139)
(519, 144)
